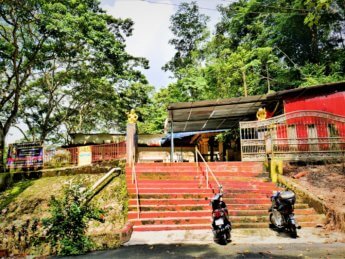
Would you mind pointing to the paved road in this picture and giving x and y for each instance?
(289, 251)
(247, 243)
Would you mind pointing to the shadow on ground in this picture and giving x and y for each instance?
(184, 251)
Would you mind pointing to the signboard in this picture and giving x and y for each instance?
(85, 155)
(25, 155)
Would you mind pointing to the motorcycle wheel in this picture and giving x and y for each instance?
(228, 236)
(215, 236)
(224, 239)
(293, 231)
(274, 224)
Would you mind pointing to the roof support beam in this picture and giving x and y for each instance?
(172, 142)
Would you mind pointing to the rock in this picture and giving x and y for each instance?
(300, 174)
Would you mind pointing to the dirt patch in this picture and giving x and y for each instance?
(326, 182)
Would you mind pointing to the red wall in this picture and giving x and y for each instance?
(332, 103)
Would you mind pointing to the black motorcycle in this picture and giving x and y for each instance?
(221, 225)
(282, 215)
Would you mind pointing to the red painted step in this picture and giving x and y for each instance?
(235, 220)
(175, 196)
(210, 191)
(221, 174)
(163, 196)
(207, 213)
(197, 181)
(171, 227)
(176, 201)
(171, 221)
(169, 190)
(206, 206)
(245, 197)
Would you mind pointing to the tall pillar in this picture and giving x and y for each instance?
(131, 137)
(221, 150)
(211, 144)
(204, 147)
(130, 142)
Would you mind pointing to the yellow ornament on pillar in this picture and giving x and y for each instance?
(261, 114)
(132, 116)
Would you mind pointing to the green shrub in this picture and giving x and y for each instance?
(66, 228)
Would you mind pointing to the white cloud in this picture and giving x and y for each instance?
(150, 36)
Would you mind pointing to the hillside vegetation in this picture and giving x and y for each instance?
(25, 204)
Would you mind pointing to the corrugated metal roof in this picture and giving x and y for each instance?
(213, 115)
(225, 113)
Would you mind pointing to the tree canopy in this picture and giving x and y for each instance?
(258, 46)
(63, 63)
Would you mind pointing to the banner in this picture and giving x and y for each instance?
(25, 156)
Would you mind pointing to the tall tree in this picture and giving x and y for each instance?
(22, 45)
(46, 40)
(189, 27)
(299, 32)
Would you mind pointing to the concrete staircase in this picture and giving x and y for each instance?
(175, 196)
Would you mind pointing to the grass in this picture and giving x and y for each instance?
(29, 199)
(11, 193)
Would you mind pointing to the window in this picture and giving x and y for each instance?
(312, 138)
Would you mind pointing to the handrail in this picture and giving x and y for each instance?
(134, 179)
(208, 169)
(100, 184)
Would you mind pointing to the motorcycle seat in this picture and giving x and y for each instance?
(286, 195)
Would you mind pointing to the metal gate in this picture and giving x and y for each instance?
(300, 135)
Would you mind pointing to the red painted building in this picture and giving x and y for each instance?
(321, 116)
(332, 103)
(307, 123)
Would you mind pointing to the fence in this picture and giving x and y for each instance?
(61, 157)
(108, 152)
(70, 156)
(300, 135)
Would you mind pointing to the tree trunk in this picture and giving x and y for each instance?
(268, 80)
(244, 78)
(314, 45)
(2, 151)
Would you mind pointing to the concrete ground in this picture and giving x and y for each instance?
(246, 243)
(238, 236)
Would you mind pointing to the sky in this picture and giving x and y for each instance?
(151, 30)
(150, 36)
